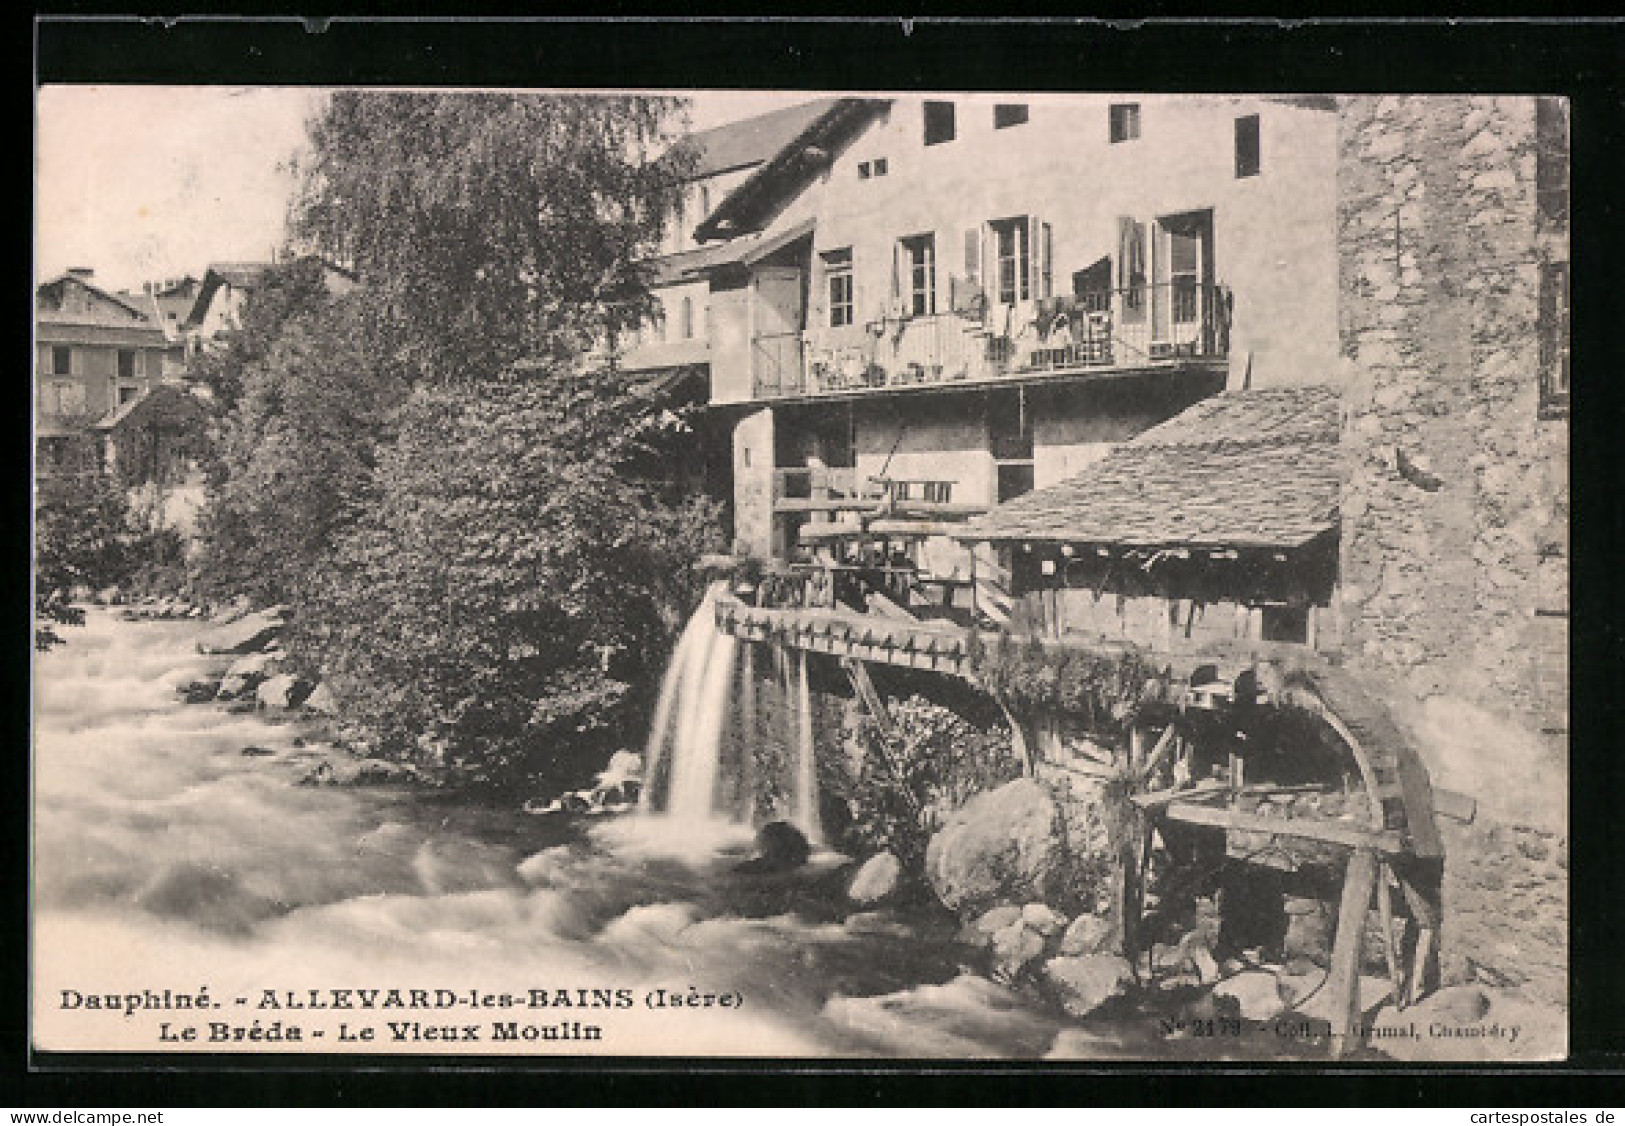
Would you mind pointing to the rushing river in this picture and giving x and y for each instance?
(168, 859)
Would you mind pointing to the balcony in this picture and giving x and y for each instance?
(820, 489)
(1134, 329)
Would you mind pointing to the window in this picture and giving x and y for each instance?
(1012, 260)
(61, 360)
(1015, 479)
(1123, 120)
(920, 259)
(705, 201)
(1009, 114)
(1285, 623)
(1249, 154)
(126, 364)
(1552, 159)
(688, 318)
(1184, 272)
(939, 122)
(1009, 427)
(880, 166)
(1554, 337)
(126, 393)
(838, 272)
(863, 170)
(1131, 266)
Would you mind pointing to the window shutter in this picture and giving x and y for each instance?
(973, 254)
(896, 307)
(1046, 258)
(818, 292)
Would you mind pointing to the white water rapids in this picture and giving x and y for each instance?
(166, 859)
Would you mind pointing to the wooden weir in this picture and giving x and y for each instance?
(1393, 842)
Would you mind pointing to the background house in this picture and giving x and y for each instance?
(95, 353)
(218, 303)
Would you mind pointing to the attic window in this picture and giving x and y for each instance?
(1249, 156)
(880, 166)
(939, 122)
(1123, 121)
(1009, 114)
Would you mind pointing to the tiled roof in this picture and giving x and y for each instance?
(740, 144)
(1257, 468)
(103, 310)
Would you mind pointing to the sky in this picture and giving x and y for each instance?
(147, 182)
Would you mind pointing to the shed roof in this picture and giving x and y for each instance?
(1255, 468)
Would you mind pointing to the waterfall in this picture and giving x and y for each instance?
(685, 738)
(684, 786)
(805, 790)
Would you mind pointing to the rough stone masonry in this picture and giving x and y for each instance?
(1455, 512)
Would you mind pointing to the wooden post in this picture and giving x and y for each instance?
(1343, 983)
(1421, 881)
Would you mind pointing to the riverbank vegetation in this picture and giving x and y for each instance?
(483, 539)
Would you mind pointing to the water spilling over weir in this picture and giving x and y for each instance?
(701, 769)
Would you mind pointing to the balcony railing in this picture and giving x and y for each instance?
(1128, 328)
(821, 488)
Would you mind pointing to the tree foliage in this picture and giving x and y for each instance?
(488, 227)
(86, 536)
(498, 600)
(296, 453)
(482, 542)
(286, 291)
(903, 784)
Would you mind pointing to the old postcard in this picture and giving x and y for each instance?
(686, 573)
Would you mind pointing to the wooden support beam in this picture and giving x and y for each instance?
(1326, 832)
(1343, 982)
(864, 685)
(1421, 883)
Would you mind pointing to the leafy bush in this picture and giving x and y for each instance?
(899, 788)
(512, 583)
(1104, 692)
(87, 535)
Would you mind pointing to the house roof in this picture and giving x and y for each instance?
(166, 402)
(754, 202)
(747, 250)
(1255, 468)
(243, 275)
(740, 144)
(104, 310)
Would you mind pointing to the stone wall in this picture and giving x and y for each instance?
(1455, 514)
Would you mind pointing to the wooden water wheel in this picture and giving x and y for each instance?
(1299, 757)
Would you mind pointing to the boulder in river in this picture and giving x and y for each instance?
(876, 880)
(780, 847)
(1013, 948)
(1085, 985)
(1005, 844)
(1087, 934)
(284, 690)
(322, 701)
(246, 674)
(247, 634)
(198, 691)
